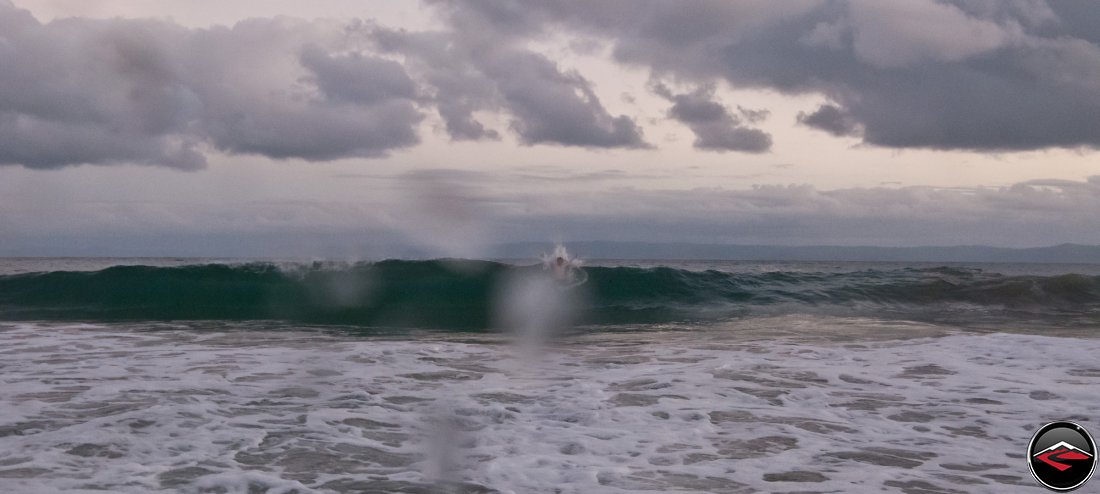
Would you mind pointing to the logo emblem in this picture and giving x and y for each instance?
(1062, 456)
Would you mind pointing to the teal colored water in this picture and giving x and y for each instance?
(464, 294)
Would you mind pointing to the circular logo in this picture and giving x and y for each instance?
(1062, 456)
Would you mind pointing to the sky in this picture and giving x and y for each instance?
(334, 128)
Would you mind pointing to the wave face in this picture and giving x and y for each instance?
(463, 294)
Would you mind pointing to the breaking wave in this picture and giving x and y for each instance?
(453, 294)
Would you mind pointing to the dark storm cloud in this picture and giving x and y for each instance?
(353, 78)
(551, 106)
(753, 116)
(547, 105)
(92, 91)
(459, 88)
(970, 74)
(831, 119)
(959, 74)
(714, 127)
(77, 91)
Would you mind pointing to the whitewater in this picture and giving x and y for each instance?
(671, 377)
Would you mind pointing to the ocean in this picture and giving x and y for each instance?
(288, 376)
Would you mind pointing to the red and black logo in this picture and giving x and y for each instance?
(1062, 456)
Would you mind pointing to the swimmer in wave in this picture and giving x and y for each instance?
(565, 270)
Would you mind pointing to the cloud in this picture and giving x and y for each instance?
(356, 79)
(78, 91)
(551, 106)
(907, 32)
(753, 116)
(547, 105)
(831, 119)
(458, 88)
(959, 74)
(714, 127)
(969, 75)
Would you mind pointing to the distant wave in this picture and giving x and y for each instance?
(461, 294)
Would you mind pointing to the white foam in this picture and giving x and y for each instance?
(98, 407)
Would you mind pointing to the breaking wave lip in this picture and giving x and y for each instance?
(460, 294)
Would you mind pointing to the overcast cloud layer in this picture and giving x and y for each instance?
(77, 91)
(964, 74)
(87, 91)
(967, 74)
(761, 89)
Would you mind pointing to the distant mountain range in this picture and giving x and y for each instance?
(1064, 253)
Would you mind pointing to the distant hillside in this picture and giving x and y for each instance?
(1065, 253)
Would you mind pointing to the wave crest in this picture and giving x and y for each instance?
(458, 294)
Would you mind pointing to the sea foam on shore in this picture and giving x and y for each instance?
(777, 404)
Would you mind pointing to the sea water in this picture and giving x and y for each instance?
(184, 375)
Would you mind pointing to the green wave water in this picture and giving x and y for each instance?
(464, 295)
